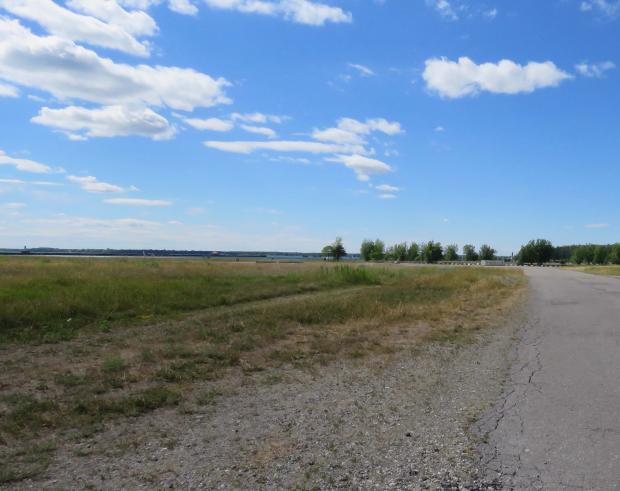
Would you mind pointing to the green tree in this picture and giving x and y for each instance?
(327, 252)
(537, 251)
(452, 252)
(378, 252)
(338, 250)
(413, 252)
(600, 254)
(432, 252)
(614, 254)
(469, 251)
(487, 253)
(367, 249)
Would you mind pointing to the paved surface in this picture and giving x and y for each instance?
(558, 426)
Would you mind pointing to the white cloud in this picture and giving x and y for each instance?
(363, 166)
(107, 121)
(597, 225)
(464, 77)
(298, 11)
(136, 22)
(439, 129)
(258, 118)
(444, 8)
(387, 188)
(184, 7)
(363, 70)
(137, 202)
(387, 196)
(259, 130)
(247, 147)
(8, 91)
(24, 165)
(210, 124)
(594, 70)
(66, 24)
(351, 131)
(491, 14)
(605, 7)
(91, 184)
(68, 71)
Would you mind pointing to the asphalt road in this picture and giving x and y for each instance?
(558, 426)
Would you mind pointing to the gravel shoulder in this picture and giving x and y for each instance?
(401, 421)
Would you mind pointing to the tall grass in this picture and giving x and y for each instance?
(43, 299)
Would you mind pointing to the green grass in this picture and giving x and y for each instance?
(43, 299)
(124, 370)
(610, 270)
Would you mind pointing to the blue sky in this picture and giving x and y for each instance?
(281, 124)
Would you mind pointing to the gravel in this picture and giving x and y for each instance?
(399, 422)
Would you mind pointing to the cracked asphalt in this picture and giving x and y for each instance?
(558, 423)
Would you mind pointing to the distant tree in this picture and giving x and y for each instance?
(487, 253)
(378, 252)
(452, 252)
(338, 250)
(367, 249)
(584, 254)
(413, 252)
(327, 252)
(614, 254)
(600, 254)
(469, 251)
(538, 251)
(432, 252)
(397, 252)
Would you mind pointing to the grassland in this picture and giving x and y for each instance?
(87, 341)
(610, 270)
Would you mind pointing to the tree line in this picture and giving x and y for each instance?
(542, 251)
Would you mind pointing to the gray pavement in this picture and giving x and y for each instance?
(558, 426)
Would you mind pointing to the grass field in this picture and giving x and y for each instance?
(85, 341)
(610, 270)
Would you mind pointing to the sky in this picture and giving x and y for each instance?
(281, 124)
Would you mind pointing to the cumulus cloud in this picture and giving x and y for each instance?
(69, 71)
(66, 24)
(210, 124)
(21, 182)
(136, 22)
(24, 165)
(137, 202)
(184, 7)
(352, 131)
(363, 70)
(107, 121)
(298, 11)
(461, 78)
(594, 70)
(363, 166)
(259, 130)
(387, 196)
(91, 184)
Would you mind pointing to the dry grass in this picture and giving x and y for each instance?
(610, 270)
(70, 389)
